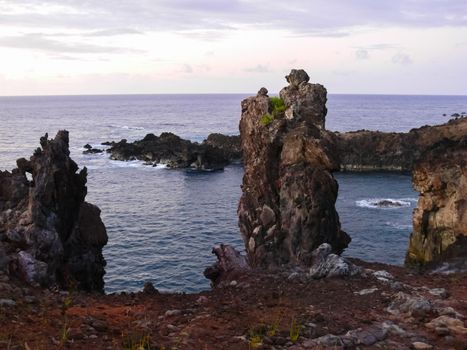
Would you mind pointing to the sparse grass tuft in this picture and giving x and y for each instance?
(137, 342)
(295, 329)
(266, 119)
(278, 105)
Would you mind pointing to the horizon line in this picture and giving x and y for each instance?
(221, 93)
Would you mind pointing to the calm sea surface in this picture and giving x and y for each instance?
(163, 223)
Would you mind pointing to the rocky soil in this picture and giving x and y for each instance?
(386, 307)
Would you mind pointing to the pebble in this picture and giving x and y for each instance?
(233, 283)
(393, 328)
(30, 299)
(169, 313)
(442, 331)
(383, 274)
(453, 324)
(7, 302)
(439, 292)
(293, 275)
(418, 345)
(202, 300)
(413, 305)
(366, 291)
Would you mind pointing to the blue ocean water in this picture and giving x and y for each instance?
(163, 223)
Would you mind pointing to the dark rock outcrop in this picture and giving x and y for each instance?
(88, 149)
(229, 145)
(213, 154)
(229, 264)
(48, 233)
(374, 150)
(440, 219)
(287, 208)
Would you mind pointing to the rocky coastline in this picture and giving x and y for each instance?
(168, 149)
(292, 289)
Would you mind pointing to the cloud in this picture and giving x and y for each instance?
(188, 69)
(378, 47)
(113, 32)
(260, 68)
(326, 18)
(41, 42)
(401, 58)
(362, 54)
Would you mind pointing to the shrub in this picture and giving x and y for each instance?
(278, 105)
(266, 119)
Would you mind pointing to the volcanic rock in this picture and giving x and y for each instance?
(390, 151)
(229, 263)
(50, 234)
(229, 145)
(440, 219)
(176, 152)
(287, 208)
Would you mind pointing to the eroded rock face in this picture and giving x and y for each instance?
(287, 208)
(305, 101)
(440, 219)
(49, 234)
(213, 154)
(374, 150)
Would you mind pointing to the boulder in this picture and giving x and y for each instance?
(229, 264)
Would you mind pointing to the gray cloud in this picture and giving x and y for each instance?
(378, 47)
(260, 68)
(401, 58)
(187, 69)
(113, 32)
(362, 54)
(315, 18)
(41, 42)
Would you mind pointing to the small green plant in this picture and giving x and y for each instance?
(65, 331)
(256, 340)
(295, 329)
(272, 330)
(64, 335)
(256, 337)
(278, 105)
(137, 342)
(266, 119)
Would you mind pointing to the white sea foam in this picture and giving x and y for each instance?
(385, 203)
(126, 127)
(399, 226)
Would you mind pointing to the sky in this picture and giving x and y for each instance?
(62, 47)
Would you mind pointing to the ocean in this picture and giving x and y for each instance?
(162, 224)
